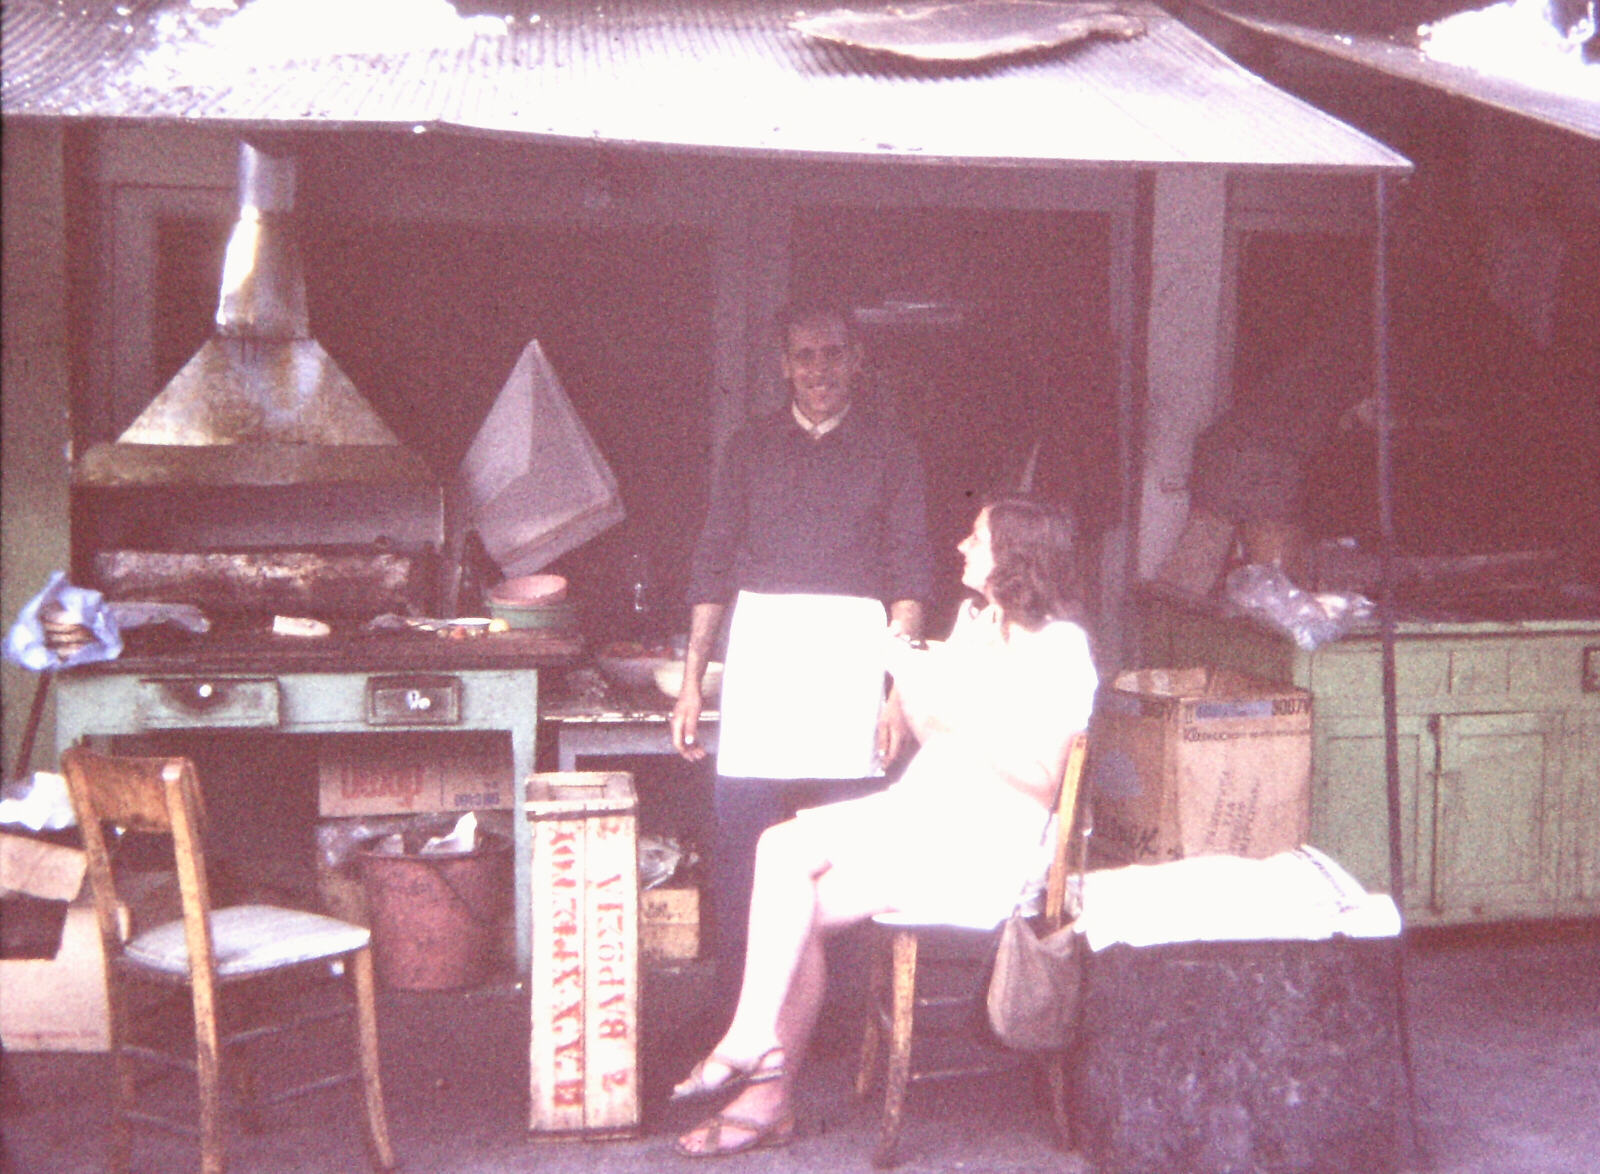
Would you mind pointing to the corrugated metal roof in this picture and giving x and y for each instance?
(722, 77)
(1571, 108)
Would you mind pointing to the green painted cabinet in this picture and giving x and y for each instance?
(1499, 751)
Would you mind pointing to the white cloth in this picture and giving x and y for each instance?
(954, 841)
(802, 687)
(1299, 895)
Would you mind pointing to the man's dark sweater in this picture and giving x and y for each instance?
(839, 515)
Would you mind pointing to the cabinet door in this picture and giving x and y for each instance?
(1497, 816)
(1580, 816)
(1350, 804)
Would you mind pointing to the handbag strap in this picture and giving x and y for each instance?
(1068, 816)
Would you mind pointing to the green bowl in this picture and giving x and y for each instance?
(547, 615)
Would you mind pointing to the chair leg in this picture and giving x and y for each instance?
(872, 1032)
(1055, 1071)
(121, 1147)
(208, 1062)
(367, 1047)
(904, 990)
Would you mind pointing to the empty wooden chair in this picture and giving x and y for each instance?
(898, 994)
(211, 951)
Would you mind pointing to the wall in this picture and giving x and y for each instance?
(33, 402)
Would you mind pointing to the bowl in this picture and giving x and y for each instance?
(529, 591)
(546, 615)
(632, 664)
(669, 678)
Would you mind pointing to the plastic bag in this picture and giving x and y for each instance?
(1311, 619)
(659, 858)
(26, 644)
(38, 802)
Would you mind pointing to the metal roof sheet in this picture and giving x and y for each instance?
(1563, 103)
(727, 77)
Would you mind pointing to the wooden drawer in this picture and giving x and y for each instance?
(183, 703)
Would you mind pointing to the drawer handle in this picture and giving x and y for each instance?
(196, 696)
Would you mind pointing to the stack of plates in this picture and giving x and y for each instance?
(533, 601)
(62, 634)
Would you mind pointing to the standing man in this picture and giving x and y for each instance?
(816, 523)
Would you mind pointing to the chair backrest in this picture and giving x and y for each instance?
(1055, 892)
(159, 795)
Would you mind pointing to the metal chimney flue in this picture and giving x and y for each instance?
(263, 289)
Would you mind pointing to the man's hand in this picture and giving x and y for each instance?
(704, 620)
(685, 724)
(894, 732)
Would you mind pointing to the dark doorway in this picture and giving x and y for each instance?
(1018, 356)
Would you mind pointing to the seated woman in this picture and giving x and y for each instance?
(954, 841)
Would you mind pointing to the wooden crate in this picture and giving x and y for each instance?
(669, 924)
(583, 1059)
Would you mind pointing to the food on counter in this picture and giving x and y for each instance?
(299, 626)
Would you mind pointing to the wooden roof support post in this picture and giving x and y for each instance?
(1182, 362)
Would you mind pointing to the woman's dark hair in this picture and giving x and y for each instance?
(1036, 574)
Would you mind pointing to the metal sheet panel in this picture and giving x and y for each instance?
(730, 77)
(1575, 108)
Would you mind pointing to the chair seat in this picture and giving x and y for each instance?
(913, 917)
(249, 939)
(930, 919)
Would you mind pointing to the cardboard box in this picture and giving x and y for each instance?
(583, 1059)
(669, 924)
(41, 869)
(379, 774)
(59, 1004)
(1198, 761)
(54, 1004)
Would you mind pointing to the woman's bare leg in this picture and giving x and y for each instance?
(783, 915)
(796, 896)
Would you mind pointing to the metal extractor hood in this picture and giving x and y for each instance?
(261, 403)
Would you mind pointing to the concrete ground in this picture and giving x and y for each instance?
(1505, 1032)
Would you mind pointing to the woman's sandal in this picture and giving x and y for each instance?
(762, 1135)
(696, 1084)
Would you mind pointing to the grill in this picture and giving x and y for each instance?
(259, 480)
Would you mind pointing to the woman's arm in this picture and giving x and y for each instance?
(1009, 716)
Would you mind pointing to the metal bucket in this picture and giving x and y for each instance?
(437, 919)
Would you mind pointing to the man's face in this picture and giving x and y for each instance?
(820, 364)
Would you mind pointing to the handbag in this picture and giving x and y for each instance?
(1034, 988)
(1033, 991)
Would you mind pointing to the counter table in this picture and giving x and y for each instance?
(1499, 740)
(377, 683)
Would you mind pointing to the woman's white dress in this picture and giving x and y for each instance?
(954, 841)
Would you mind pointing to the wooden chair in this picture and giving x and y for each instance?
(897, 995)
(207, 950)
